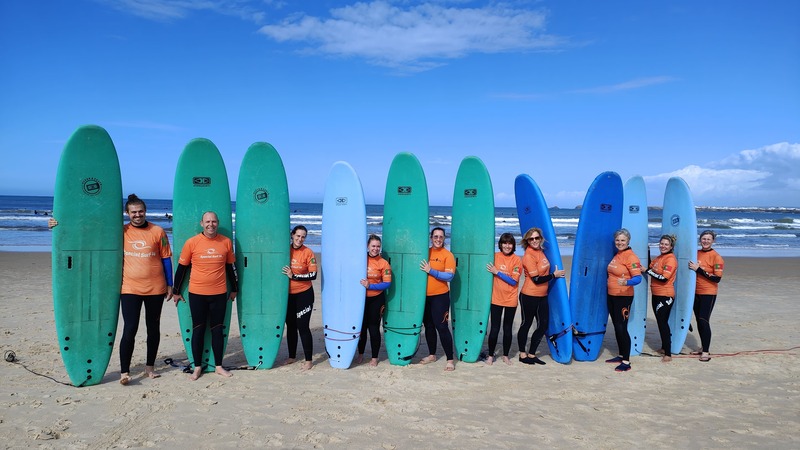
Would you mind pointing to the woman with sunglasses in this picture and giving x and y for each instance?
(533, 297)
(441, 268)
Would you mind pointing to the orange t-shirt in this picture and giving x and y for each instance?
(713, 264)
(664, 265)
(504, 294)
(378, 271)
(442, 260)
(142, 251)
(208, 258)
(624, 265)
(303, 261)
(535, 264)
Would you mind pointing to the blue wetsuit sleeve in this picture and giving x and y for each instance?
(167, 264)
(634, 281)
(442, 276)
(507, 278)
(380, 286)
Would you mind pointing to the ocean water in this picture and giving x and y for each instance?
(760, 232)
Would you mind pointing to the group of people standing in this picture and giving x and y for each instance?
(147, 281)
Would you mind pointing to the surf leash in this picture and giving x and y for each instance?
(554, 337)
(781, 351)
(11, 357)
(578, 335)
(354, 335)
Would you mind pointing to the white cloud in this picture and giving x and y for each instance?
(768, 176)
(416, 37)
(637, 83)
(166, 10)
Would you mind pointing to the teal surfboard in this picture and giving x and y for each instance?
(405, 245)
(87, 253)
(262, 225)
(601, 216)
(532, 212)
(680, 218)
(201, 185)
(344, 265)
(472, 243)
(634, 219)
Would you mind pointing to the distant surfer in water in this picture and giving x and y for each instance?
(378, 279)
(533, 297)
(146, 280)
(301, 272)
(662, 272)
(624, 272)
(441, 268)
(709, 266)
(209, 256)
(506, 268)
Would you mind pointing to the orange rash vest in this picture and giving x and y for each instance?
(142, 250)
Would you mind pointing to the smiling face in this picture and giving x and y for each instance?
(374, 247)
(706, 240)
(507, 248)
(665, 246)
(437, 238)
(621, 242)
(137, 213)
(298, 238)
(535, 241)
(210, 223)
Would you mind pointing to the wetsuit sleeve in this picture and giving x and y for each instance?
(507, 278)
(180, 274)
(167, 264)
(230, 270)
(542, 279)
(442, 276)
(379, 286)
(310, 276)
(655, 275)
(634, 281)
(709, 277)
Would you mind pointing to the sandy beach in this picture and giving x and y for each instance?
(745, 397)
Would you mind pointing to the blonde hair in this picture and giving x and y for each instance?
(528, 235)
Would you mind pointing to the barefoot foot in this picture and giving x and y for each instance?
(307, 365)
(489, 360)
(451, 366)
(150, 371)
(373, 362)
(507, 360)
(124, 379)
(288, 361)
(219, 370)
(427, 360)
(198, 372)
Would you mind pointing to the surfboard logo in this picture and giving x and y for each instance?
(404, 190)
(606, 207)
(341, 201)
(472, 192)
(201, 181)
(92, 186)
(633, 209)
(675, 220)
(261, 195)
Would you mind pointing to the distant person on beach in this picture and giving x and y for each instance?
(441, 268)
(662, 272)
(301, 271)
(624, 272)
(709, 266)
(146, 280)
(209, 256)
(533, 296)
(379, 278)
(506, 268)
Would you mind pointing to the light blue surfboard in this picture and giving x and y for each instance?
(532, 212)
(601, 216)
(679, 218)
(405, 245)
(262, 219)
(201, 185)
(344, 263)
(87, 253)
(634, 219)
(472, 243)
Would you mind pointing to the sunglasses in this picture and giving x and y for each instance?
(537, 238)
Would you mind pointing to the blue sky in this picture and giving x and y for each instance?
(561, 90)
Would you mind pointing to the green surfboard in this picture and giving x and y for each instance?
(201, 184)
(262, 230)
(405, 245)
(472, 243)
(87, 253)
